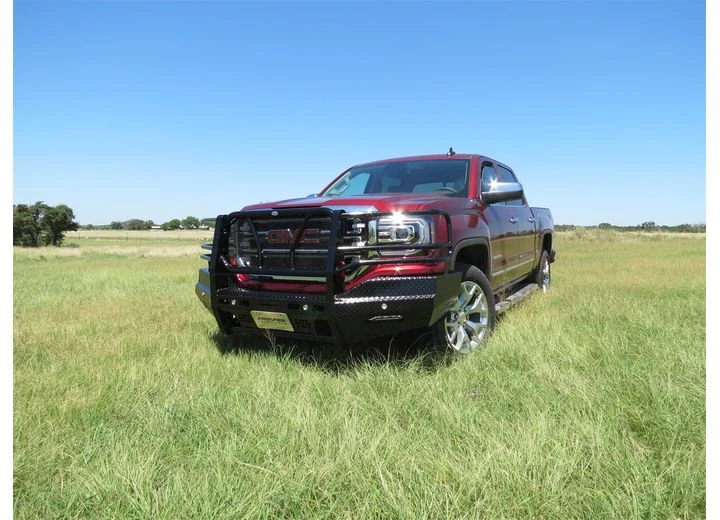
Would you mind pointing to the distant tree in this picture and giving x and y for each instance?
(210, 222)
(116, 224)
(41, 224)
(55, 222)
(691, 228)
(26, 224)
(605, 225)
(648, 226)
(135, 224)
(149, 224)
(89, 227)
(190, 223)
(171, 225)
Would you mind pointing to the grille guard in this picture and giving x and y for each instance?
(222, 270)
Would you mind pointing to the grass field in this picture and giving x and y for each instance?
(588, 402)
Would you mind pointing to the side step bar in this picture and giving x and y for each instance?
(517, 296)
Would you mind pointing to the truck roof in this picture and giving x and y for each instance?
(432, 157)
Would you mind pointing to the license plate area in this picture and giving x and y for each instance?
(272, 320)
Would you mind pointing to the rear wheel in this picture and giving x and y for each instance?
(470, 320)
(542, 274)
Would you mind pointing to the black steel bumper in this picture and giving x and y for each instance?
(375, 307)
(378, 307)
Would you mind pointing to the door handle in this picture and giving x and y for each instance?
(513, 220)
(530, 219)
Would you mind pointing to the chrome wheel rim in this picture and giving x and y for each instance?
(545, 276)
(466, 322)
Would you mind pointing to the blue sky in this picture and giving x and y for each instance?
(157, 110)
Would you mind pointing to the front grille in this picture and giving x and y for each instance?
(310, 245)
(280, 243)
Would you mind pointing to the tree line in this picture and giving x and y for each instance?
(41, 225)
(136, 224)
(648, 225)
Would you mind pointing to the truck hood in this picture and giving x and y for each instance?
(375, 202)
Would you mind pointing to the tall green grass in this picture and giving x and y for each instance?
(588, 402)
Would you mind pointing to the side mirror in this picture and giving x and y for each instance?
(311, 196)
(502, 191)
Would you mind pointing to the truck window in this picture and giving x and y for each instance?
(353, 184)
(445, 176)
(389, 184)
(506, 175)
(488, 177)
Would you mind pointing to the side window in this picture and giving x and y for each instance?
(488, 177)
(505, 175)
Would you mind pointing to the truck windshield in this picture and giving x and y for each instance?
(444, 176)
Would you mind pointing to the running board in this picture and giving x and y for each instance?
(517, 296)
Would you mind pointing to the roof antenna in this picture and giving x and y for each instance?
(451, 152)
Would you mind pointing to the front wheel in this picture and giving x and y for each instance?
(470, 320)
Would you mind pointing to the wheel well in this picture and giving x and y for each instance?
(476, 255)
(547, 243)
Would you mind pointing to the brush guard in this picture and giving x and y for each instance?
(319, 265)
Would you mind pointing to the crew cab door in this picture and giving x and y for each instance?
(525, 229)
(511, 229)
(502, 222)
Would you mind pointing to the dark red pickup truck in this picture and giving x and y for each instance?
(389, 246)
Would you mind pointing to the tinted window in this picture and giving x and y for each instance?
(390, 184)
(514, 202)
(354, 184)
(446, 176)
(488, 177)
(502, 174)
(505, 175)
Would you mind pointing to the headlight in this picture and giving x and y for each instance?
(400, 229)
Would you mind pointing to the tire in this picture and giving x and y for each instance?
(542, 273)
(470, 321)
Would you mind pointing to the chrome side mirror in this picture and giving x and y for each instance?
(502, 191)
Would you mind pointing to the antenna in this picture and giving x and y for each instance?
(451, 152)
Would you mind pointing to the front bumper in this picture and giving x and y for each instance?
(272, 245)
(377, 307)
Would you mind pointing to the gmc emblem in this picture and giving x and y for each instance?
(287, 236)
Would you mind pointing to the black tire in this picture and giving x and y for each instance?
(469, 323)
(542, 273)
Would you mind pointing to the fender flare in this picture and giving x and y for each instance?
(469, 242)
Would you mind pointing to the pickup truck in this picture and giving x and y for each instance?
(433, 241)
